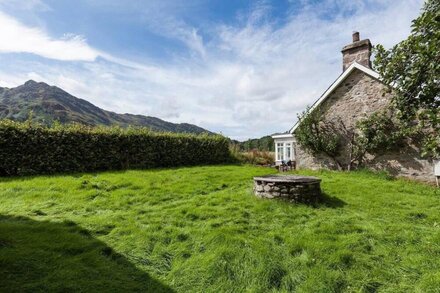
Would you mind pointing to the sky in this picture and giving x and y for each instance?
(238, 67)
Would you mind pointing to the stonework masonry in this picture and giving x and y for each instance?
(298, 189)
(356, 98)
(359, 52)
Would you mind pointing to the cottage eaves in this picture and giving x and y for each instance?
(336, 83)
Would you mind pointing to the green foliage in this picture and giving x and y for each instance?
(200, 229)
(428, 131)
(412, 67)
(380, 132)
(317, 135)
(349, 146)
(34, 149)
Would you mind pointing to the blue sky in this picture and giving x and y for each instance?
(243, 68)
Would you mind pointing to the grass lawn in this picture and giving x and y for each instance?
(200, 229)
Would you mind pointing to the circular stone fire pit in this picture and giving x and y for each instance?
(294, 188)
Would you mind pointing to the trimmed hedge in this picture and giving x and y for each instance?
(34, 149)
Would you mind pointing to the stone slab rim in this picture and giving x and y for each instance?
(288, 179)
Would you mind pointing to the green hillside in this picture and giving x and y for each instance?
(50, 103)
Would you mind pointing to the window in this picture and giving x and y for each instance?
(284, 151)
(280, 151)
(288, 149)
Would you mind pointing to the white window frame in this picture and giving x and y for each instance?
(281, 151)
(288, 146)
(279, 156)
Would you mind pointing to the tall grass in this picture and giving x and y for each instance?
(201, 229)
(253, 157)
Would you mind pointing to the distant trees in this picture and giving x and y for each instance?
(264, 143)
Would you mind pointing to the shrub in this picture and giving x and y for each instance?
(254, 157)
(35, 149)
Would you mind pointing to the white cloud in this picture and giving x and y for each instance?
(25, 5)
(250, 79)
(18, 38)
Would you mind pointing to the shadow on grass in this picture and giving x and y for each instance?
(330, 201)
(57, 257)
(4, 177)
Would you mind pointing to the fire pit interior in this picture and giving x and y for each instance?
(302, 189)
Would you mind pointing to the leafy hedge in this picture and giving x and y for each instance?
(34, 149)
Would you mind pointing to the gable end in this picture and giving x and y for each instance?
(337, 83)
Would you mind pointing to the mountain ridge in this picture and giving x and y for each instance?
(51, 103)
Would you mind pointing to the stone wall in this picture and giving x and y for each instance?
(356, 98)
(405, 163)
(308, 192)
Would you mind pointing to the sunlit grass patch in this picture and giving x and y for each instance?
(202, 229)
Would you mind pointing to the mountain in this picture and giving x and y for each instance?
(50, 103)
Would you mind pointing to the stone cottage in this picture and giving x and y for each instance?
(354, 95)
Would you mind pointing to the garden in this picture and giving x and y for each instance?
(201, 229)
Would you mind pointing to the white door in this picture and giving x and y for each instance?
(284, 151)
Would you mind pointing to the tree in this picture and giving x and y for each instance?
(264, 143)
(412, 69)
(331, 138)
(380, 133)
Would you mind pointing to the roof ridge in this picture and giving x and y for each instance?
(336, 83)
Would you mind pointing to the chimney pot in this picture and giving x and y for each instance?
(356, 37)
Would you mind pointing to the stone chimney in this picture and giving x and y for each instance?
(359, 51)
